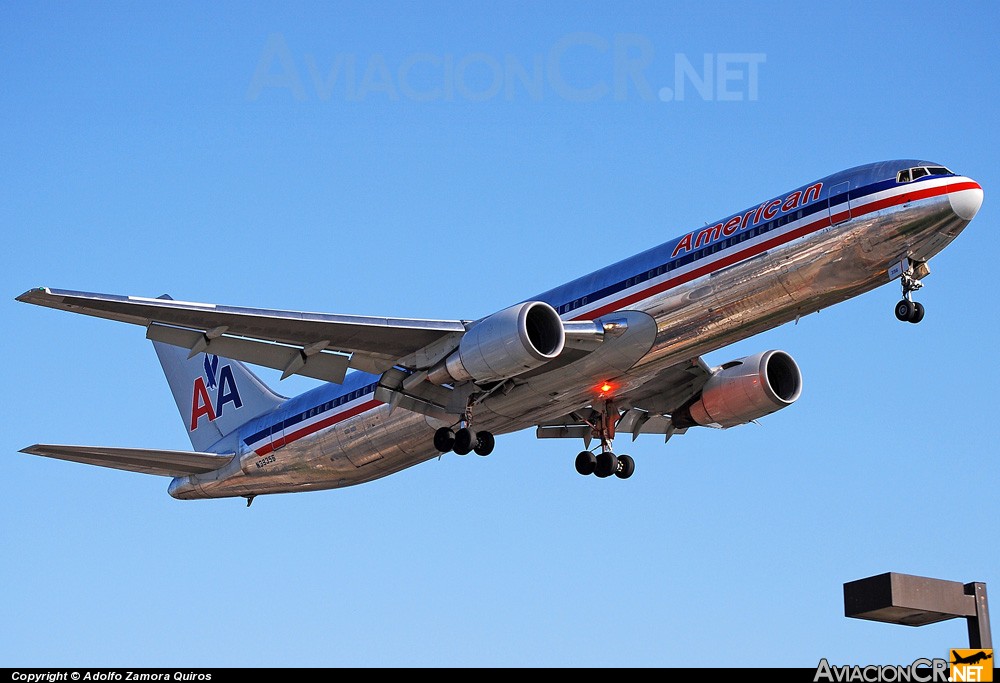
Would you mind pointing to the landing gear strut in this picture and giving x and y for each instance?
(908, 310)
(606, 463)
(464, 441)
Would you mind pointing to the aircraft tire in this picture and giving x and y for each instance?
(464, 441)
(444, 439)
(486, 443)
(918, 312)
(904, 310)
(626, 467)
(585, 463)
(607, 463)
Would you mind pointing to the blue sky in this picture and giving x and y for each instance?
(444, 161)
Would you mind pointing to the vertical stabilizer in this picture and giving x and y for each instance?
(214, 395)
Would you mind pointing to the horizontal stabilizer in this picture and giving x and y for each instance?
(144, 460)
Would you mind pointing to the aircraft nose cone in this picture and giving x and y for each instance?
(966, 203)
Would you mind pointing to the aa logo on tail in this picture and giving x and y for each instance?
(222, 384)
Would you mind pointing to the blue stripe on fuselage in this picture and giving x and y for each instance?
(324, 400)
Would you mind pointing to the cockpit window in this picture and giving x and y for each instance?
(921, 171)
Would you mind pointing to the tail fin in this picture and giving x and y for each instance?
(214, 395)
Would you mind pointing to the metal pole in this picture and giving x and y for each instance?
(979, 625)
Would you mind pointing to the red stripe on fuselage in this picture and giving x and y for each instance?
(802, 231)
(316, 426)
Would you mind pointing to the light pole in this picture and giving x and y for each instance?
(916, 601)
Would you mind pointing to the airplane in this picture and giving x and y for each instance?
(614, 352)
(971, 659)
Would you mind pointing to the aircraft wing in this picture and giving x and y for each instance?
(144, 460)
(319, 345)
(645, 410)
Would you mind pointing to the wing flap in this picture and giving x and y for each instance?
(144, 460)
(421, 397)
(563, 431)
(321, 365)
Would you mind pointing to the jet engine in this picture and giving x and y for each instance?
(505, 344)
(743, 390)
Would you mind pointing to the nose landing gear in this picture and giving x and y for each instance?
(908, 310)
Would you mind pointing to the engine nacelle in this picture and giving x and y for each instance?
(506, 344)
(744, 390)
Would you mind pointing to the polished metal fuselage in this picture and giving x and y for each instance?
(802, 276)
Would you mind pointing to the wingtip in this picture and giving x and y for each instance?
(32, 294)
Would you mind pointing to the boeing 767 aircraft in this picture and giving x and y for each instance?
(614, 352)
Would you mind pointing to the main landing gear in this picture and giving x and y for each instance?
(606, 463)
(464, 440)
(908, 310)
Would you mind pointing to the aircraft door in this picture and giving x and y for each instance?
(839, 203)
(277, 436)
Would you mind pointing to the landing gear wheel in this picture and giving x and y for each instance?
(626, 466)
(918, 312)
(586, 462)
(607, 464)
(486, 443)
(465, 441)
(444, 439)
(905, 310)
